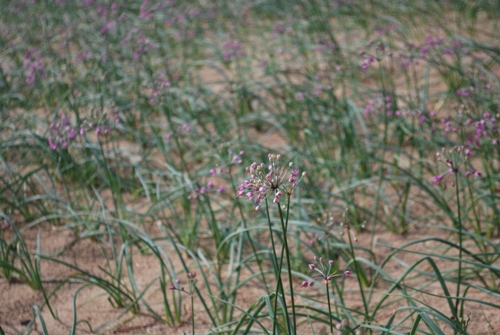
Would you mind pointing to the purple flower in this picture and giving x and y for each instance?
(237, 159)
(52, 144)
(231, 50)
(299, 96)
(436, 180)
(325, 270)
(62, 133)
(274, 179)
(33, 64)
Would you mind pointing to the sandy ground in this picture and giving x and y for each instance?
(93, 306)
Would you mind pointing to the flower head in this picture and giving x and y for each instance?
(325, 271)
(453, 159)
(191, 276)
(437, 179)
(274, 179)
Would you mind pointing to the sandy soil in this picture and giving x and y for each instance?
(94, 307)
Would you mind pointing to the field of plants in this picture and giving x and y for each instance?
(325, 167)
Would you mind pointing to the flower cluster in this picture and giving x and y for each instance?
(209, 187)
(140, 44)
(325, 44)
(83, 55)
(276, 179)
(453, 159)
(108, 17)
(388, 106)
(478, 131)
(281, 28)
(367, 62)
(325, 272)
(62, 133)
(381, 104)
(146, 12)
(33, 64)
(102, 124)
(299, 96)
(191, 280)
(232, 50)
(184, 23)
(236, 157)
(181, 129)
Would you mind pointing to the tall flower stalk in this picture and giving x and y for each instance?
(192, 288)
(276, 181)
(454, 159)
(327, 274)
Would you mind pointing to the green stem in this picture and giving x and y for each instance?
(358, 271)
(329, 307)
(250, 240)
(277, 272)
(284, 226)
(460, 240)
(192, 313)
